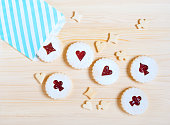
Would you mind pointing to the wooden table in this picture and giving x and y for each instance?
(22, 101)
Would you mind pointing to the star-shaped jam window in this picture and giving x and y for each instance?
(49, 48)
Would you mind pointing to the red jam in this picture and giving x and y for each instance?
(143, 69)
(81, 54)
(58, 85)
(106, 71)
(49, 48)
(135, 101)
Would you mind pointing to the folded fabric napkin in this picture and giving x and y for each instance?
(27, 24)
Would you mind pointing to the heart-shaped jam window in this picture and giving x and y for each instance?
(58, 85)
(106, 71)
(80, 55)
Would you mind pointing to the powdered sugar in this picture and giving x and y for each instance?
(103, 65)
(61, 90)
(127, 98)
(151, 69)
(56, 45)
(80, 55)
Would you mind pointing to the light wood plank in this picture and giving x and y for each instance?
(22, 100)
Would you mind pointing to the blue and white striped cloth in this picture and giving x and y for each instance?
(26, 24)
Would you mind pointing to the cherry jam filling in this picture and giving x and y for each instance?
(135, 101)
(106, 71)
(49, 48)
(80, 55)
(58, 85)
(143, 69)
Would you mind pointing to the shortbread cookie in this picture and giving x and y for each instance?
(100, 46)
(142, 24)
(40, 77)
(76, 16)
(87, 105)
(51, 50)
(134, 101)
(105, 71)
(58, 86)
(121, 56)
(90, 93)
(103, 105)
(80, 55)
(143, 69)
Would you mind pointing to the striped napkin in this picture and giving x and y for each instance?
(27, 24)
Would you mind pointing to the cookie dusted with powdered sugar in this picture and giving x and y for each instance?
(50, 50)
(80, 55)
(105, 71)
(58, 86)
(134, 101)
(143, 69)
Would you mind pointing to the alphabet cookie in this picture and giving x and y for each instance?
(105, 71)
(58, 86)
(134, 101)
(80, 55)
(143, 69)
(51, 50)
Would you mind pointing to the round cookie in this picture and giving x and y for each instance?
(58, 86)
(134, 101)
(50, 50)
(80, 55)
(143, 69)
(105, 71)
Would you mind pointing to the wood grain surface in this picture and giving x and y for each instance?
(22, 101)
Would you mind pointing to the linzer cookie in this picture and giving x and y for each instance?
(134, 101)
(51, 50)
(105, 71)
(58, 86)
(80, 55)
(143, 69)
